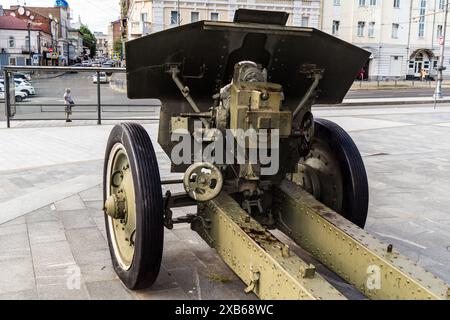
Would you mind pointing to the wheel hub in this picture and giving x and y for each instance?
(116, 206)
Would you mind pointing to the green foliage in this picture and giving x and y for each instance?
(89, 40)
(118, 47)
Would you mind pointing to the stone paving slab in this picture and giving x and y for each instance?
(405, 150)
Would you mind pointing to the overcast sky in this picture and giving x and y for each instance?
(95, 13)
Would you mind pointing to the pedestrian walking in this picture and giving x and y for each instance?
(68, 101)
(362, 73)
(423, 74)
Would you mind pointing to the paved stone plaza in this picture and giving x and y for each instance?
(51, 222)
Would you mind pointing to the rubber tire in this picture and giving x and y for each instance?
(355, 201)
(149, 206)
(19, 99)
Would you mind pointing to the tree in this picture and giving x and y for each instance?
(118, 47)
(89, 40)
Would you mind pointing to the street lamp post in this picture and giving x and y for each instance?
(29, 42)
(441, 68)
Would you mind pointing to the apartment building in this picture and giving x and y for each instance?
(147, 16)
(403, 36)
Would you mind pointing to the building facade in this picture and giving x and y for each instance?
(147, 16)
(22, 43)
(114, 38)
(403, 36)
(76, 48)
(102, 44)
(59, 20)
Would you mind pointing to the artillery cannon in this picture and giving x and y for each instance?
(236, 120)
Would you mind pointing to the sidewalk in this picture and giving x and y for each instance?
(392, 101)
(392, 84)
(52, 224)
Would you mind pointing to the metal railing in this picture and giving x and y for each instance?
(10, 107)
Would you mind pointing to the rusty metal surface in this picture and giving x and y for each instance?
(207, 51)
(351, 252)
(264, 264)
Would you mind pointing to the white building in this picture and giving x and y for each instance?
(402, 35)
(102, 44)
(146, 16)
(20, 43)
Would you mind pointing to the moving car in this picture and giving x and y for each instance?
(86, 63)
(103, 78)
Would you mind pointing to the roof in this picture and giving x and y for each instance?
(13, 23)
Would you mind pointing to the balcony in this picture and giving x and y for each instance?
(140, 28)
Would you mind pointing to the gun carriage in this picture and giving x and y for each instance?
(221, 84)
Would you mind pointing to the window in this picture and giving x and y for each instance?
(11, 42)
(439, 31)
(214, 16)
(441, 4)
(371, 31)
(423, 5)
(337, 3)
(174, 18)
(305, 21)
(395, 27)
(396, 3)
(144, 17)
(194, 16)
(335, 29)
(12, 61)
(360, 31)
(373, 2)
(362, 3)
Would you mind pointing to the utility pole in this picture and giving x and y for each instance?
(29, 43)
(179, 13)
(441, 68)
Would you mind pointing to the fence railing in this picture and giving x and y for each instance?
(11, 106)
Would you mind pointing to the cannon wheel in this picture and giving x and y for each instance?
(133, 206)
(334, 173)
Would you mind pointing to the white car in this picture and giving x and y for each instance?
(22, 86)
(25, 86)
(103, 78)
(20, 96)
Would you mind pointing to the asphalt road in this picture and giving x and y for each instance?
(48, 103)
(84, 92)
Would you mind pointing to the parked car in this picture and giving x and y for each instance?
(20, 96)
(23, 76)
(22, 86)
(103, 78)
(86, 63)
(25, 86)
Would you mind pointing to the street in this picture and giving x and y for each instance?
(48, 103)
